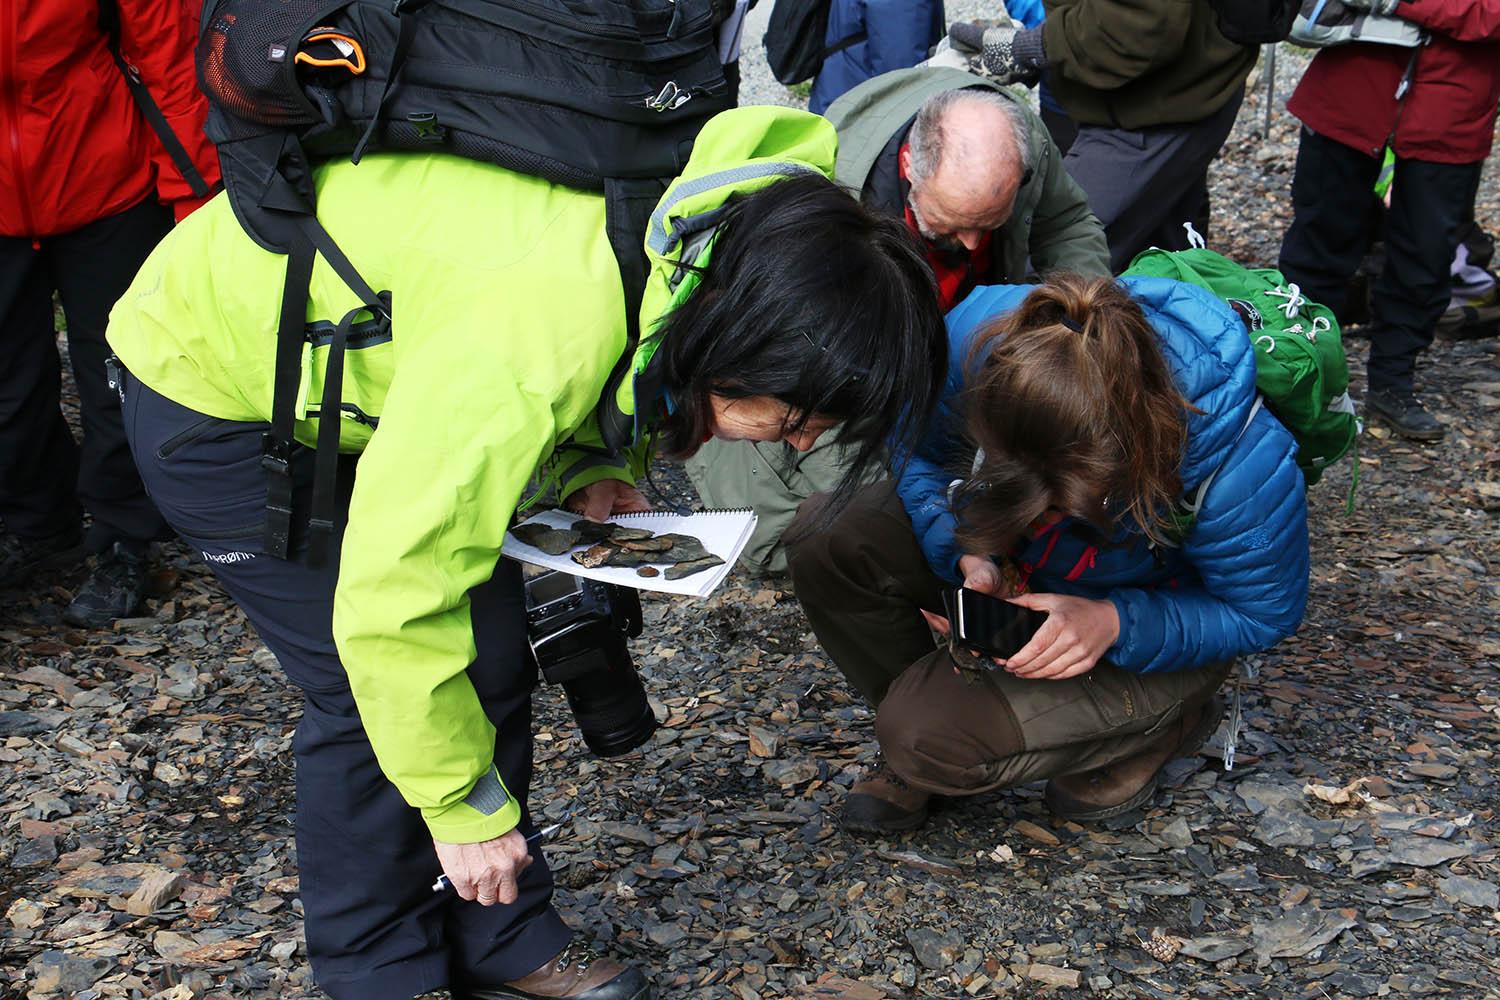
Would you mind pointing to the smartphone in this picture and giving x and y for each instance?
(989, 625)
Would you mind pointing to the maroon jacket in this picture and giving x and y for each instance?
(74, 148)
(1349, 92)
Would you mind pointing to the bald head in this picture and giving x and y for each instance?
(965, 158)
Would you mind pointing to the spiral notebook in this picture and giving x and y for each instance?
(722, 532)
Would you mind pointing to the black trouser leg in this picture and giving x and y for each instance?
(38, 460)
(1429, 202)
(375, 930)
(1330, 229)
(1143, 185)
(92, 267)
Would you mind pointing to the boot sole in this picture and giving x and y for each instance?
(1208, 724)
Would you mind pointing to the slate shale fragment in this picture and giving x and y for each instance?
(632, 557)
(683, 548)
(594, 556)
(659, 543)
(683, 569)
(590, 532)
(553, 541)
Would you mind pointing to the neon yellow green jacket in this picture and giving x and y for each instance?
(507, 317)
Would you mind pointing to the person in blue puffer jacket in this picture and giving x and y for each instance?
(868, 37)
(1129, 486)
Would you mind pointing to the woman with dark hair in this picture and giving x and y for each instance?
(775, 308)
(1100, 458)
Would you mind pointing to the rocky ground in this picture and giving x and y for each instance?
(1351, 852)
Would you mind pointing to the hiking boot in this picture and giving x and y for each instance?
(21, 557)
(881, 802)
(577, 972)
(115, 589)
(1115, 789)
(1405, 414)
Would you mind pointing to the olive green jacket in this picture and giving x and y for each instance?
(1134, 64)
(1050, 227)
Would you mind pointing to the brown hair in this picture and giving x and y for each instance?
(1074, 408)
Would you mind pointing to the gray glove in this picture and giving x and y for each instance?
(1011, 54)
(1386, 7)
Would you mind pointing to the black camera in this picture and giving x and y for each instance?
(577, 629)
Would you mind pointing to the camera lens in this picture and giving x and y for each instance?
(611, 708)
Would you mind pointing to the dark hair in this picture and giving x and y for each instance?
(1074, 408)
(812, 300)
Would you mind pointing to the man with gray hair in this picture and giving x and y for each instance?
(974, 173)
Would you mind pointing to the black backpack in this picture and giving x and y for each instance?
(794, 39)
(1255, 22)
(604, 95)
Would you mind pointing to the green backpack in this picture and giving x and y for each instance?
(1299, 359)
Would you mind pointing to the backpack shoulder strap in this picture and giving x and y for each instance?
(1193, 506)
(109, 24)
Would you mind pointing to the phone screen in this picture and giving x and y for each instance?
(992, 626)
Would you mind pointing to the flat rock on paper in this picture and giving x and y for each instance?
(553, 541)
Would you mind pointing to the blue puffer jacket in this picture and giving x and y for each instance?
(1239, 581)
(899, 34)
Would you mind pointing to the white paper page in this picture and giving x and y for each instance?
(722, 532)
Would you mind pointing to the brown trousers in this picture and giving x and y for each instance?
(862, 578)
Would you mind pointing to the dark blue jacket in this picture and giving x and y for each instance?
(899, 34)
(1238, 583)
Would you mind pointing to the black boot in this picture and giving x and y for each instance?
(577, 974)
(115, 589)
(1405, 414)
(21, 557)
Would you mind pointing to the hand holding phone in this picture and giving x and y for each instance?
(1077, 633)
(988, 625)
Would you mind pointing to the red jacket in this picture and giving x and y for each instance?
(1349, 91)
(74, 148)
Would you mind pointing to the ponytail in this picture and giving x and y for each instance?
(1074, 408)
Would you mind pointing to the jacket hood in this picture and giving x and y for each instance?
(739, 151)
(1202, 339)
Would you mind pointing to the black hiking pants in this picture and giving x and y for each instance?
(44, 474)
(375, 929)
(1330, 233)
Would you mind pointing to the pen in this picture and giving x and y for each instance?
(443, 884)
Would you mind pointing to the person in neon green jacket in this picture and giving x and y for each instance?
(775, 309)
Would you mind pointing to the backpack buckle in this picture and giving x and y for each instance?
(428, 129)
(669, 98)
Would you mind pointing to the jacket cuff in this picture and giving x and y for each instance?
(1028, 49)
(486, 812)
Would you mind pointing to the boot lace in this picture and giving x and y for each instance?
(576, 954)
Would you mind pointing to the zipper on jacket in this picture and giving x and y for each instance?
(1028, 569)
(8, 28)
(1085, 562)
